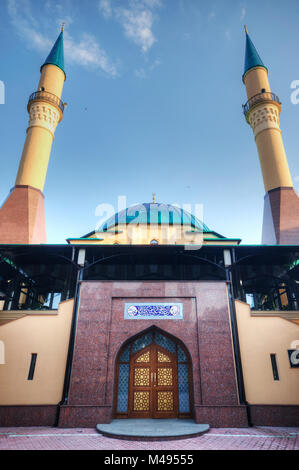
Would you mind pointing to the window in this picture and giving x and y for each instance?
(250, 300)
(2, 353)
(53, 301)
(32, 366)
(274, 367)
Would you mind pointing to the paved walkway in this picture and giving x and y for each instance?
(46, 438)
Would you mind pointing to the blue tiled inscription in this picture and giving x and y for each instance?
(148, 311)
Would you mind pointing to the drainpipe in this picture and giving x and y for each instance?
(70, 355)
(235, 335)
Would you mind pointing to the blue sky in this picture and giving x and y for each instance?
(154, 95)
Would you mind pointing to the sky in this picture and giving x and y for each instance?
(154, 91)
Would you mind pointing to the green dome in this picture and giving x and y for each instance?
(154, 213)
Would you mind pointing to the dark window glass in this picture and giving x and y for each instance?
(32, 366)
(274, 366)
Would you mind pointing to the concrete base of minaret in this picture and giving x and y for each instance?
(281, 217)
(22, 217)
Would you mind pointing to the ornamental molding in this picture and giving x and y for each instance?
(44, 115)
(265, 116)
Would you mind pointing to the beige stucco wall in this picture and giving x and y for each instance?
(273, 159)
(259, 337)
(264, 120)
(46, 335)
(143, 234)
(35, 157)
(43, 119)
(255, 80)
(52, 79)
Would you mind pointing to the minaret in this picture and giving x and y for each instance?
(262, 111)
(22, 216)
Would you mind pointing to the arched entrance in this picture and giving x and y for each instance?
(153, 378)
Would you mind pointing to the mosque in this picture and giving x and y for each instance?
(153, 315)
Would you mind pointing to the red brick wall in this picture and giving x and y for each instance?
(22, 217)
(281, 217)
(101, 331)
(28, 415)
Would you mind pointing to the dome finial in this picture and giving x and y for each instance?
(245, 27)
(62, 27)
(154, 198)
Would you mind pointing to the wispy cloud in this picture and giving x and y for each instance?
(85, 52)
(228, 34)
(155, 64)
(105, 8)
(243, 13)
(137, 25)
(143, 72)
(25, 24)
(137, 18)
(152, 3)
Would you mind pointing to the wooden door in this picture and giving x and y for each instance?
(153, 389)
(165, 387)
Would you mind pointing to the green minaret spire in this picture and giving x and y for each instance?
(252, 57)
(56, 56)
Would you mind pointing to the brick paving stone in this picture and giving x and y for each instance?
(47, 438)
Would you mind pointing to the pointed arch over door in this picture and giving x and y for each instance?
(153, 378)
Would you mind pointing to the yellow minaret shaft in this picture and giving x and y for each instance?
(262, 112)
(45, 112)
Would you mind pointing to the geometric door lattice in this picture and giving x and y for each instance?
(153, 378)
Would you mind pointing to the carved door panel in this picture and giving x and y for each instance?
(165, 390)
(153, 391)
(140, 391)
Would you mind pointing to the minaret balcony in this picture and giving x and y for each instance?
(48, 97)
(260, 98)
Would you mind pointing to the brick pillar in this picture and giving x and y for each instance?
(22, 217)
